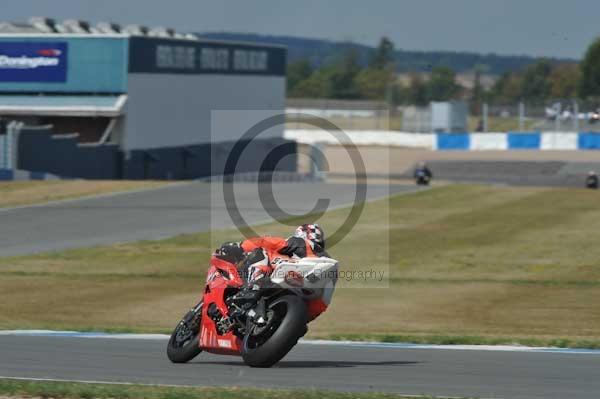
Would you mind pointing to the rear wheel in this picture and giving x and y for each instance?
(286, 323)
(184, 343)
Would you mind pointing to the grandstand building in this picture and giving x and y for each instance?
(110, 102)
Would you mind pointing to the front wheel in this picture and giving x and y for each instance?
(264, 346)
(184, 343)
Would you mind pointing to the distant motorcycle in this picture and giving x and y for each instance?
(264, 330)
(422, 177)
(592, 181)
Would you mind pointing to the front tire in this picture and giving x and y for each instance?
(285, 326)
(184, 344)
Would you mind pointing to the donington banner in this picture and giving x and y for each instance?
(33, 61)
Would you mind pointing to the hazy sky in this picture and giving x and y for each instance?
(536, 27)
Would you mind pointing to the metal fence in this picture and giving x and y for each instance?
(553, 116)
(346, 114)
(560, 115)
(416, 120)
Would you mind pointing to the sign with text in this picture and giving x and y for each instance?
(33, 62)
(150, 55)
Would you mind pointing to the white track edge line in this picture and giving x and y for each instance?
(356, 344)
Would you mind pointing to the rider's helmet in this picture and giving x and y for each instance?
(313, 233)
(231, 252)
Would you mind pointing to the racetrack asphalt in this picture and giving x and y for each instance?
(161, 213)
(406, 370)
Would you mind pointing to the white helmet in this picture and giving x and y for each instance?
(313, 233)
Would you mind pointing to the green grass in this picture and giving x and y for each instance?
(18, 193)
(72, 390)
(464, 264)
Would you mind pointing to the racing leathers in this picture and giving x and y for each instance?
(262, 250)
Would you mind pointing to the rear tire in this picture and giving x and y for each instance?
(184, 344)
(292, 318)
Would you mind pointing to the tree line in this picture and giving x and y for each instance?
(321, 52)
(539, 82)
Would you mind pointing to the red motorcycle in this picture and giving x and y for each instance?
(262, 328)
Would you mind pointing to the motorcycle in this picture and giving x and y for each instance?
(422, 178)
(261, 329)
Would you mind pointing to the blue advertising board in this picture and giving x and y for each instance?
(87, 64)
(33, 61)
(453, 141)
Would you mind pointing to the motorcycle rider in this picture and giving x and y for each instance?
(254, 255)
(422, 171)
(592, 180)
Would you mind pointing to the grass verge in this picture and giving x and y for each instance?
(18, 193)
(72, 390)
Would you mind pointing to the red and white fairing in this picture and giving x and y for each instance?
(312, 279)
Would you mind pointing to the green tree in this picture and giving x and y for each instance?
(341, 76)
(297, 72)
(536, 85)
(564, 80)
(374, 83)
(590, 71)
(316, 86)
(336, 80)
(507, 89)
(417, 91)
(383, 57)
(442, 86)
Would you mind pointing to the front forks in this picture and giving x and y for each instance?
(259, 313)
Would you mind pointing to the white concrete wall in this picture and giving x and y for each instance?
(170, 110)
(559, 141)
(488, 141)
(362, 137)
